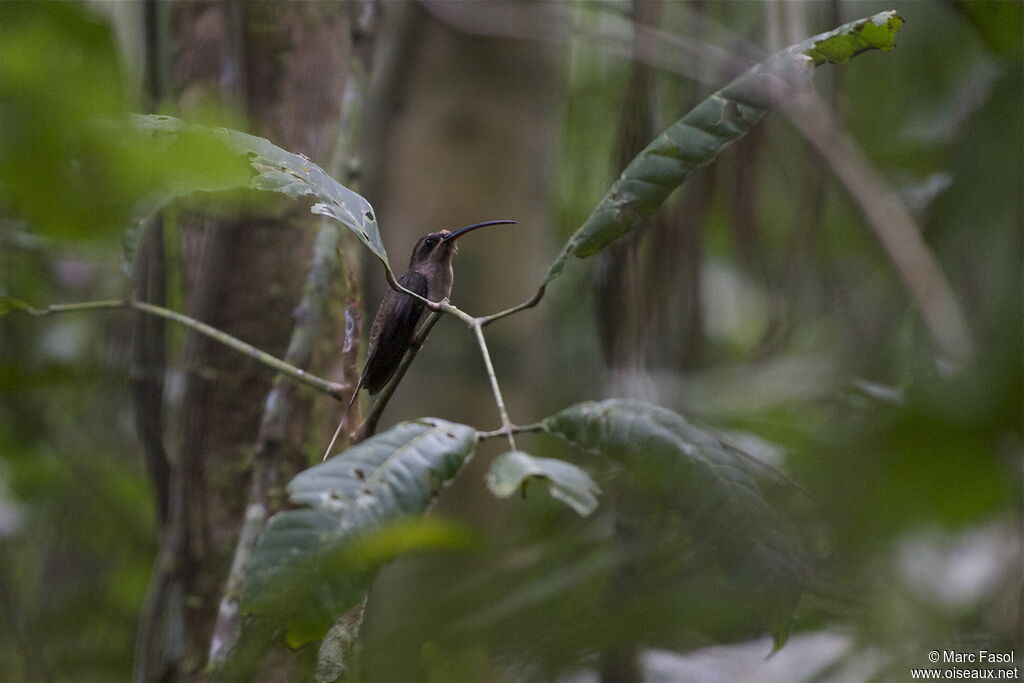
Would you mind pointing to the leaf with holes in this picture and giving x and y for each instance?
(697, 138)
(566, 482)
(312, 564)
(272, 169)
(672, 465)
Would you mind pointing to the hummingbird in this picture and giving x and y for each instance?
(430, 275)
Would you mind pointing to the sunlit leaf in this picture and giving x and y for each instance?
(566, 482)
(312, 564)
(697, 138)
(673, 465)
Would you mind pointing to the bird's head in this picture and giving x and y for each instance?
(439, 247)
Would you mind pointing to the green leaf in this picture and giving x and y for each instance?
(275, 170)
(312, 564)
(672, 465)
(59, 68)
(697, 138)
(1001, 24)
(9, 303)
(566, 482)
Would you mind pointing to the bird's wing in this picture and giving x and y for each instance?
(392, 332)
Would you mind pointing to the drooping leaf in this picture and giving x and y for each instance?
(724, 117)
(272, 169)
(675, 466)
(566, 482)
(314, 563)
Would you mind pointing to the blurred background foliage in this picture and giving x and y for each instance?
(756, 302)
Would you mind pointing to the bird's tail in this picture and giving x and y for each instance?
(344, 418)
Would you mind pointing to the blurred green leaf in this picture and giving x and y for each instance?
(69, 166)
(673, 465)
(312, 564)
(566, 482)
(697, 138)
(405, 535)
(1000, 23)
(59, 70)
(8, 304)
(942, 458)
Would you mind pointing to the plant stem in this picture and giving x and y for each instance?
(506, 424)
(369, 426)
(893, 226)
(529, 303)
(514, 429)
(330, 388)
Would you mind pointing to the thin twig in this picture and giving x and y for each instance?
(891, 223)
(506, 423)
(333, 662)
(369, 426)
(332, 389)
(514, 429)
(529, 303)
(389, 275)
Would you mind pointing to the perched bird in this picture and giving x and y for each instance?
(430, 276)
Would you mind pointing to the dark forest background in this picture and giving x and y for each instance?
(763, 300)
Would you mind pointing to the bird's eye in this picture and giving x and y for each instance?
(430, 241)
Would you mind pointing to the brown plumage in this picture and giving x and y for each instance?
(430, 276)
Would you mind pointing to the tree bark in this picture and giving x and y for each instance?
(282, 65)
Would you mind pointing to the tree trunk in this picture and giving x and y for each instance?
(283, 66)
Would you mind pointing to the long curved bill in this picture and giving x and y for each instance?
(462, 231)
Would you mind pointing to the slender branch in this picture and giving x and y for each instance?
(506, 423)
(529, 303)
(332, 389)
(397, 286)
(81, 306)
(514, 429)
(335, 654)
(336, 650)
(369, 426)
(891, 223)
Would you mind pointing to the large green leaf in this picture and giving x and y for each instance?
(314, 563)
(273, 169)
(566, 482)
(672, 465)
(697, 138)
